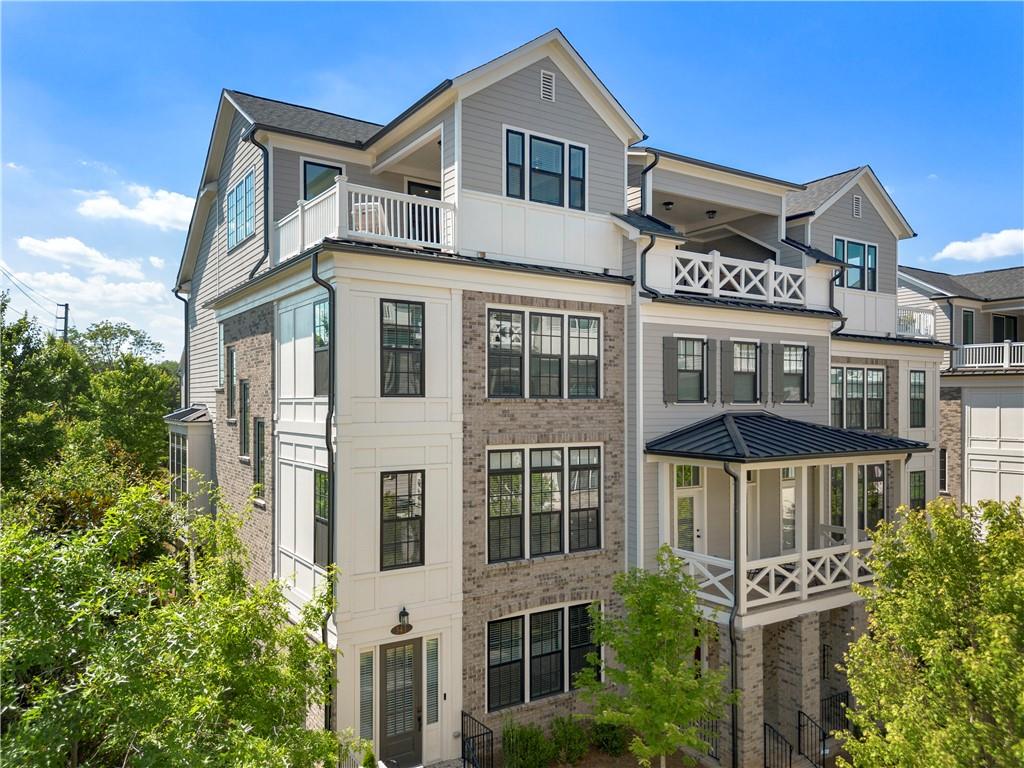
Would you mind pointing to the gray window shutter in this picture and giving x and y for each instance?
(727, 371)
(809, 373)
(670, 369)
(763, 372)
(778, 395)
(711, 367)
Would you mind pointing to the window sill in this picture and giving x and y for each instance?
(261, 503)
(232, 422)
(523, 704)
(243, 460)
(556, 556)
(220, 390)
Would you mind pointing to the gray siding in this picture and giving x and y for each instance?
(634, 185)
(909, 297)
(629, 256)
(797, 232)
(671, 182)
(762, 227)
(838, 221)
(515, 101)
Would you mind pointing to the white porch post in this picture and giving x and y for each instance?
(665, 510)
(740, 558)
(341, 195)
(801, 527)
(851, 505)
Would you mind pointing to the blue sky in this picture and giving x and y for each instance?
(107, 111)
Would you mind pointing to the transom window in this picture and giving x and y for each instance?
(690, 354)
(401, 515)
(917, 399)
(857, 397)
(862, 264)
(794, 380)
(401, 348)
(547, 371)
(321, 348)
(744, 372)
(317, 178)
(241, 210)
(548, 179)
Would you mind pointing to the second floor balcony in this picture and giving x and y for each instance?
(347, 211)
(915, 323)
(999, 356)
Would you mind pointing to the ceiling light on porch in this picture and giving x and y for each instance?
(668, 205)
(711, 214)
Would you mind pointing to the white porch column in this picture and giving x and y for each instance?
(851, 505)
(740, 558)
(801, 526)
(665, 510)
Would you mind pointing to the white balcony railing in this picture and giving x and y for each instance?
(712, 274)
(1005, 354)
(916, 323)
(364, 213)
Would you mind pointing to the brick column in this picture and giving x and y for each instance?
(750, 681)
(798, 672)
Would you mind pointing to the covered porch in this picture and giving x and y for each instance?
(785, 503)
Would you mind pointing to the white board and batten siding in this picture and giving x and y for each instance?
(993, 443)
(492, 223)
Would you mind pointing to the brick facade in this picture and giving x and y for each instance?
(494, 591)
(951, 437)
(251, 335)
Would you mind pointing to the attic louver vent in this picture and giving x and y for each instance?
(547, 85)
(856, 206)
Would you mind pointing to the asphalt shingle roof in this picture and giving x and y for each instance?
(990, 285)
(305, 120)
(817, 192)
(755, 436)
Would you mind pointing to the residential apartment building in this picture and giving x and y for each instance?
(980, 314)
(489, 354)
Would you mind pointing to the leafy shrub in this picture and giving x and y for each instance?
(610, 738)
(369, 759)
(526, 746)
(569, 739)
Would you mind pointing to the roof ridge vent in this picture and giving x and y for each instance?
(547, 85)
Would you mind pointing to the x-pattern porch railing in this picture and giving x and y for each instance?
(712, 274)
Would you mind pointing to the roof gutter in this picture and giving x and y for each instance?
(250, 136)
(184, 379)
(734, 612)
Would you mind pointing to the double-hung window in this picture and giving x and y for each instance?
(870, 495)
(546, 653)
(690, 370)
(232, 381)
(855, 398)
(401, 348)
(505, 498)
(321, 350)
(545, 355)
(505, 680)
(577, 177)
(241, 210)
(835, 386)
(744, 372)
(504, 353)
(581, 640)
(875, 397)
(584, 356)
(584, 498)
(861, 263)
(546, 505)
(243, 417)
(515, 179)
(967, 327)
(259, 429)
(547, 171)
(317, 178)
(794, 376)
(917, 493)
(401, 519)
(321, 519)
(917, 399)
(943, 470)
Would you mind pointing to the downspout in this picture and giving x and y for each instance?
(733, 676)
(643, 266)
(184, 386)
(832, 299)
(643, 180)
(250, 136)
(329, 443)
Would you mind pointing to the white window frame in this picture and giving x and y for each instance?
(860, 241)
(808, 372)
(220, 355)
(864, 368)
(757, 369)
(230, 191)
(704, 366)
(699, 494)
(566, 143)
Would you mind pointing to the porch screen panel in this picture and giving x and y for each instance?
(366, 695)
(837, 503)
(870, 495)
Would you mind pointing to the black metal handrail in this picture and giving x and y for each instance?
(833, 712)
(477, 743)
(778, 752)
(709, 734)
(810, 739)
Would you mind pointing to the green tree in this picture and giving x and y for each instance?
(104, 343)
(939, 676)
(120, 647)
(655, 687)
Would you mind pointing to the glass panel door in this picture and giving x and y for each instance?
(401, 734)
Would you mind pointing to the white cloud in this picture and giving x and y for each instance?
(14, 166)
(156, 261)
(71, 251)
(1008, 242)
(160, 208)
(933, 177)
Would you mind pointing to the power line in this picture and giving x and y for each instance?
(28, 296)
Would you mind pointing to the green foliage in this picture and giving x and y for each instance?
(569, 739)
(939, 678)
(119, 646)
(369, 759)
(102, 344)
(656, 689)
(610, 738)
(525, 746)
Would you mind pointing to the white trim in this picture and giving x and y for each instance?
(846, 265)
(303, 159)
(910, 278)
(875, 193)
(865, 368)
(974, 324)
(420, 141)
(566, 144)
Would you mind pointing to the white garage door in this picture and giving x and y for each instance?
(993, 444)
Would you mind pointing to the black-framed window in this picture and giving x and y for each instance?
(577, 177)
(874, 392)
(943, 470)
(505, 499)
(547, 171)
(584, 356)
(241, 210)
(321, 519)
(401, 519)
(835, 387)
(243, 417)
(855, 264)
(545, 355)
(401, 348)
(546, 501)
(744, 371)
(690, 357)
(967, 327)
(861, 264)
(918, 398)
(870, 495)
(317, 178)
(232, 381)
(1004, 328)
(855, 398)
(515, 179)
(794, 373)
(547, 675)
(178, 465)
(581, 640)
(584, 498)
(872, 268)
(917, 496)
(259, 453)
(504, 353)
(321, 349)
(505, 681)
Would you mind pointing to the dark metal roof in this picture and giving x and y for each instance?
(649, 225)
(189, 414)
(818, 255)
(814, 193)
(755, 306)
(756, 436)
(903, 340)
(989, 285)
(306, 121)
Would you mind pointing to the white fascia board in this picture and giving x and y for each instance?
(727, 318)
(886, 350)
(320, 149)
(922, 284)
(741, 180)
(879, 198)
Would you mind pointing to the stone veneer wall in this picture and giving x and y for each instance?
(493, 591)
(251, 334)
(951, 437)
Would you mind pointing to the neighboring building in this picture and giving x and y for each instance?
(981, 445)
(494, 345)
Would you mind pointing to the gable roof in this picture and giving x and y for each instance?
(988, 285)
(755, 436)
(292, 118)
(815, 193)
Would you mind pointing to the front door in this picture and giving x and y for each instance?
(401, 714)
